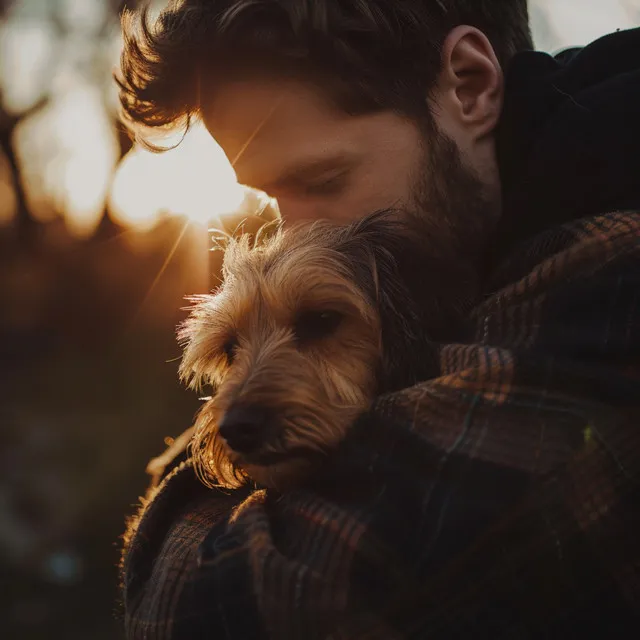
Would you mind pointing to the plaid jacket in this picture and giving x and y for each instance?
(499, 500)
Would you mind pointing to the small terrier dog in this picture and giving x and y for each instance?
(309, 325)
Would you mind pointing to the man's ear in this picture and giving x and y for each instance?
(469, 91)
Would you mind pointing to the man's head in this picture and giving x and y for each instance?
(341, 107)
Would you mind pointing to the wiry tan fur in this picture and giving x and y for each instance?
(316, 389)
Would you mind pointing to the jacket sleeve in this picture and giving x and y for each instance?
(479, 518)
(499, 500)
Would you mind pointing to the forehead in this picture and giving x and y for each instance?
(268, 126)
(263, 111)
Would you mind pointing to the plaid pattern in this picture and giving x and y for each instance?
(499, 500)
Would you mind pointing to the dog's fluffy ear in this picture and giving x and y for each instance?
(380, 249)
(199, 336)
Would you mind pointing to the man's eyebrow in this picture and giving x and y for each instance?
(305, 171)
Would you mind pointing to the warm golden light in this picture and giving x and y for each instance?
(26, 50)
(68, 153)
(195, 180)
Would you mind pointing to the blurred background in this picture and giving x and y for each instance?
(99, 244)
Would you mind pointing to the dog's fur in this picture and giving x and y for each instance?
(311, 324)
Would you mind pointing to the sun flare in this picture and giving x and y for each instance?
(195, 180)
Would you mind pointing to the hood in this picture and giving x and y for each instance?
(568, 143)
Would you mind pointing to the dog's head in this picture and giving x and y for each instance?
(304, 331)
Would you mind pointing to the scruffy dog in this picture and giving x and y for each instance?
(309, 325)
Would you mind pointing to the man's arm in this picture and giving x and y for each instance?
(432, 522)
(500, 500)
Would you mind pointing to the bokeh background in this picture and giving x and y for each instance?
(99, 244)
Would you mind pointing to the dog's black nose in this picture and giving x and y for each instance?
(244, 427)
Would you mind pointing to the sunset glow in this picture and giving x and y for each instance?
(195, 180)
(68, 153)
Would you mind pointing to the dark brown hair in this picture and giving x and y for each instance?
(367, 55)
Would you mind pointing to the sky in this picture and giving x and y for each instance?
(562, 23)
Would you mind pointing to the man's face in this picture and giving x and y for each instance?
(320, 162)
(317, 161)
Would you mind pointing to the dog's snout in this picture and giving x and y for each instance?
(244, 427)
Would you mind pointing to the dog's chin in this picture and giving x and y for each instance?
(281, 471)
(286, 465)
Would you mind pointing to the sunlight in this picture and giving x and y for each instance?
(195, 180)
(68, 153)
(26, 48)
(133, 200)
(93, 155)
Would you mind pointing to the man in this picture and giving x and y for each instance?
(500, 498)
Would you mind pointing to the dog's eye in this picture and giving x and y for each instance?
(229, 349)
(313, 325)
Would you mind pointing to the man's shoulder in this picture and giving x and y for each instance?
(582, 245)
(570, 295)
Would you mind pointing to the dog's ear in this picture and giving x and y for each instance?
(201, 336)
(381, 249)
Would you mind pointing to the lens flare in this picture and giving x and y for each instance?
(194, 179)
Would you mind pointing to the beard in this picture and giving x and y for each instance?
(451, 219)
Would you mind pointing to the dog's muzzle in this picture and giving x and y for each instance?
(245, 427)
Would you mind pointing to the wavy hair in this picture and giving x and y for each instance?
(367, 55)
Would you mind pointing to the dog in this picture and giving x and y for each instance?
(308, 327)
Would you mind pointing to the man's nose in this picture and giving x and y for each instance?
(244, 427)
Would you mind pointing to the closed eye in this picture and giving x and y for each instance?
(326, 187)
(315, 177)
(316, 325)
